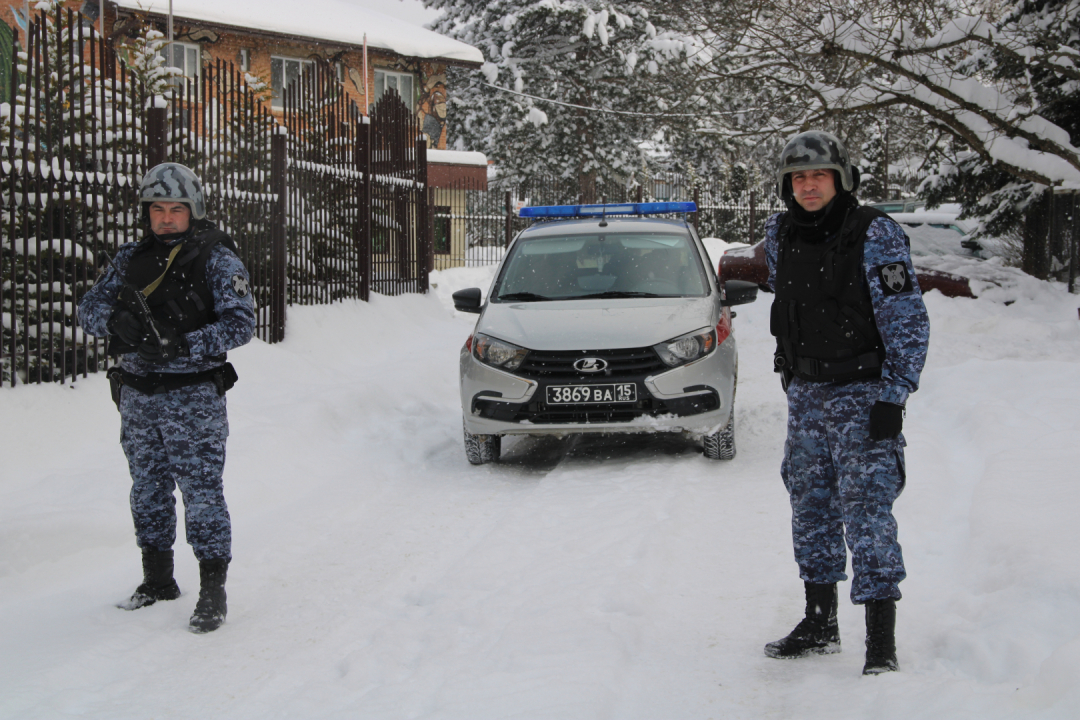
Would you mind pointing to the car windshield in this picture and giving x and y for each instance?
(610, 265)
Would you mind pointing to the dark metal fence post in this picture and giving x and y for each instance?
(1074, 224)
(278, 254)
(509, 220)
(425, 231)
(697, 204)
(365, 210)
(753, 219)
(155, 136)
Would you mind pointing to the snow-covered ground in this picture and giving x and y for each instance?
(378, 575)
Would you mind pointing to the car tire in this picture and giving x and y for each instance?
(481, 449)
(721, 444)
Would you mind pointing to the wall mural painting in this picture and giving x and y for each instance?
(431, 108)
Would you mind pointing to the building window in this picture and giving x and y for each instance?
(245, 60)
(283, 73)
(185, 56)
(442, 230)
(401, 83)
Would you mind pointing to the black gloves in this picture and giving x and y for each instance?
(127, 327)
(172, 346)
(886, 420)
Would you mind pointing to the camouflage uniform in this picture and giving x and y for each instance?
(840, 480)
(177, 438)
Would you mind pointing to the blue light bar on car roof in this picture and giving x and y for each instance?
(571, 211)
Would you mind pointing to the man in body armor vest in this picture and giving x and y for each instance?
(171, 306)
(852, 334)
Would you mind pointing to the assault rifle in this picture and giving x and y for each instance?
(133, 299)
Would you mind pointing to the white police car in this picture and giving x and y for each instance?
(602, 319)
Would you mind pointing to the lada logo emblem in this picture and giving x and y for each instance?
(591, 365)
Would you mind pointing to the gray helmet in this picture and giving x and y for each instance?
(173, 182)
(816, 149)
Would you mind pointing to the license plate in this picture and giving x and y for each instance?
(580, 394)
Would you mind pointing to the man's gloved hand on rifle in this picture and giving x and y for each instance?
(127, 327)
(171, 346)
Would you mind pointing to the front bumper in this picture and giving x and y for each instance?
(695, 399)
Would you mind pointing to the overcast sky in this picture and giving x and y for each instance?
(410, 10)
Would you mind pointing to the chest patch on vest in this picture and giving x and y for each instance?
(240, 285)
(895, 279)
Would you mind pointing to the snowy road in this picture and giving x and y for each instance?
(378, 575)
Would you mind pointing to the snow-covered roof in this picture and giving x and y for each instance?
(457, 157)
(329, 20)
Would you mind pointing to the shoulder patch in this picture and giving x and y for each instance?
(895, 279)
(240, 285)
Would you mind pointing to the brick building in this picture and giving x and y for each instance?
(276, 40)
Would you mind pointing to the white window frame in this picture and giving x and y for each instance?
(245, 59)
(381, 81)
(301, 64)
(192, 62)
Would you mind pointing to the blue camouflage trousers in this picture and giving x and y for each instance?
(840, 480)
(177, 439)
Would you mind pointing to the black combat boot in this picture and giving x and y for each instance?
(818, 633)
(210, 610)
(880, 637)
(158, 582)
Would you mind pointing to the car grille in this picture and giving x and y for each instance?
(559, 365)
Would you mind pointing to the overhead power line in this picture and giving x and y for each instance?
(610, 111)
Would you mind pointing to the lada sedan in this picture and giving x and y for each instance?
(602, 319)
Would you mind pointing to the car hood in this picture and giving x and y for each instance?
(596, 324)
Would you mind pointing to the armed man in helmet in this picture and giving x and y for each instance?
(171, 306)
(851, 332)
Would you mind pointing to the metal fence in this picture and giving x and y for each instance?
(322, 203)
(218, 126)
(488, 217)
(357, 201)
(72, 150)
(1059, 256)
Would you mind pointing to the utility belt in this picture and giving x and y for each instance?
(223, 377)
(867, 365)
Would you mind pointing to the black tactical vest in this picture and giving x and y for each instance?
(822, 315)
(183, 300)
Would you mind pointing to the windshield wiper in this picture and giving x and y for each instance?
(618, 294)
(523, 296)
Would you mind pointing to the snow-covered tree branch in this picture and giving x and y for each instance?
(977, 69)
(571, 88)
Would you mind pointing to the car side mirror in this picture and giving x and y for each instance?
(739, 292)
(468, 300)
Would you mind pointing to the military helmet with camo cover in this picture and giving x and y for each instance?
(173, 182)
(812, 150)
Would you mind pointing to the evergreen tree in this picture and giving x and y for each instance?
(1004, 204)
(68, 123)
(875, 173)
(571, 89)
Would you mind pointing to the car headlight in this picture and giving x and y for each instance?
(687, 348)
(497, 353)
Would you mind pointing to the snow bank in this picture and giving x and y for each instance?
(378, 575)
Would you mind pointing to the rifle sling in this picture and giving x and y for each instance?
(154, 285)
